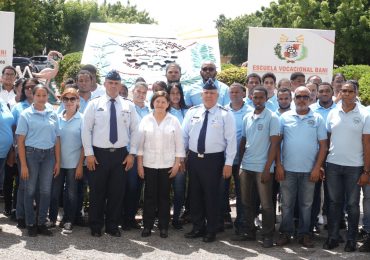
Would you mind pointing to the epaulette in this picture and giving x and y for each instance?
(194, 107)
(222, 107)
(128, 99)
(95, 97)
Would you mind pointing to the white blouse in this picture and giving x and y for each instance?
(160, 144)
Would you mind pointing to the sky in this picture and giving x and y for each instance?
(184, 13)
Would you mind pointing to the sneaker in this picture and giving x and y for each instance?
(362, 234)
(43, 230)
(284, 239)
(306, 241)
(32, 231)
(366, 245)
(67, 228)
(50, 224)
(267, 242)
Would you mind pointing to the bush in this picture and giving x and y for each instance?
(225, 66)
(68, 65)
(365, 89)
(353, 71)
(231, 75)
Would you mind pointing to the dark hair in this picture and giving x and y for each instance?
(259, 88)
(308, 83)
(295, 75)
(236, 84)
(338, 75)
(281, 81)
(326, 84)
(23, 91)
(90, 68)
(269, 75)
(310, 77)
(284, 90)
(140, 79)
(124, 86)
(9, 68)
(162, 84)
(84, 72)
(253, 75)
(182, 98)
(173, 64)
(39, 86)
(354, 83)
(160, 94)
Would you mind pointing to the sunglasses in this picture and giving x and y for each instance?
(66, 99)
(210, 69)
(347, 91)
(302, 97)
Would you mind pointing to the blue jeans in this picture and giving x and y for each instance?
(178, 184)
(40, 165)
(366, 207)
(67, 177)
(296, 183)
(341, 182)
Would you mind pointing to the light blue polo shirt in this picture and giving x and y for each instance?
(300, 139)
(179, 113)
(324, 112)
(70, 139)
(142, 111)
(346, 130)
(193, 93)
(20, 106)
(239, 115)
(6, 133)
(272, 103)
(257, 129)
(40, 128)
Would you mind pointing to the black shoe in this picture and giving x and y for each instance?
(163, 233)
(177, 225)
(7, 212)
(209, 237)
(32, 231)
(114, 232)
(96, 233)
(351, 246)
(244, 237)
(43, 230)
(330, 244)
(366, 245)
(146, 232)
(21, 223)
(194, 234)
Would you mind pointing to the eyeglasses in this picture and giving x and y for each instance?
(302, 97)
(66, 99)
(210, 69)
(347, 91)
(28, 87)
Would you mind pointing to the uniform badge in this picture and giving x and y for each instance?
(311, 122)
(100, 109)
(260, 127)
(356, 120)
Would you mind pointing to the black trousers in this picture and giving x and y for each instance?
(205, 175)
(156, 197)
(10, 188)
(107, 187)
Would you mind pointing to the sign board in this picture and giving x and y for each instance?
(7, 35)
(284, 51)
(142, 50)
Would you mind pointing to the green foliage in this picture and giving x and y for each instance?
(225, 66)
(231, 75)
(69, 67)
(353, 71)
(365, 89)
(233, 35)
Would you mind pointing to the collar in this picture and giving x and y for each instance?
(294, 113)
(320, 106)
(212, 110)
(108, 98)
(46, 110)
(262, 115)
(355, 110)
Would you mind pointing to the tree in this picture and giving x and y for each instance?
(233, 35)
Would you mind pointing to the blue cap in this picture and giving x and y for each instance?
(209, 85)
(113, 75)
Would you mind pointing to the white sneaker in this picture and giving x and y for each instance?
(67, 228)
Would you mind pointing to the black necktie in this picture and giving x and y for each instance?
(202, 135)
(113, 123)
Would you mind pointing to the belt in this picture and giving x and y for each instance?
(205, 155)
(111, 150)
(29, 148)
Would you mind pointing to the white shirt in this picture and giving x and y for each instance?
(98, 92)
(160, 144)
(7, 96)
(96, 127)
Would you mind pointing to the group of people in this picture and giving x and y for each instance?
(284, 141)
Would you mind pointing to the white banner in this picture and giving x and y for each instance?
(284, 51)
(142, 50)
(7, 35)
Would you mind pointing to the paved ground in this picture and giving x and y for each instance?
(15, 244)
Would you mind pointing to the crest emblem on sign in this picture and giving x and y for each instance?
(291, 51)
